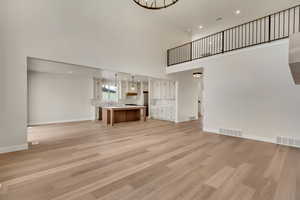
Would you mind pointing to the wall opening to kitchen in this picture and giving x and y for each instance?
(60, 92)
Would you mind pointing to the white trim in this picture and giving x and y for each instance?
(214, 131)
(249, 137)
(62, 121)
(259, 138)
(13, 148)
(185, 120)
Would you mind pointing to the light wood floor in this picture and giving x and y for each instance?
(155, 160)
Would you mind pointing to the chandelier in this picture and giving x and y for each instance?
(155, 4)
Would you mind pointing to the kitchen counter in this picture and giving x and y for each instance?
(117, 114)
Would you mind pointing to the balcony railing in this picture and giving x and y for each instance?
(273, 27)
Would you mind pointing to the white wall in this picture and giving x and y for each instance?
(114, 35)
(59, 98)
(251, 90)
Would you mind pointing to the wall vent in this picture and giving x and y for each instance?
(288, 141)
(230, 132)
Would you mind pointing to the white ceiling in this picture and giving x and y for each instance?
(190, 14)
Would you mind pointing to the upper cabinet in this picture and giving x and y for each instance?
(129, 89)
(145, 86)
(163, 89)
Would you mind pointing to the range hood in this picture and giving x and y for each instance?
(294, 57)
(131, 93)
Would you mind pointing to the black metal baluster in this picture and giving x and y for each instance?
(299, 19)
(231, 39)
(223, 41)
(265, 28)
(242, 36)
(219, 43)
(253, 34)
(256, 30)
(214, 44)
(235, 35)
(239, 41)
(260, 37)
(191, 51)
(209, 45)
(283, 24)
(205, 47)
(279, 29)
(289, 22)
(274, 27)
(294, 21)
(179, 57)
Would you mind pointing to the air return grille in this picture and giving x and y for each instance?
(230, 132)
(288, 141)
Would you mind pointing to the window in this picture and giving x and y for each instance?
(109, 93)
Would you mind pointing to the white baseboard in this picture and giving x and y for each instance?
(185, 120)
(211, 130)
(13, 148)
(261, 139)
(249, 137)
(57, 122)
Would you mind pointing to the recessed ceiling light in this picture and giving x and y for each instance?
(219, 19)
(237, 12)
(200, 27)
(189, 30)
(70, 72)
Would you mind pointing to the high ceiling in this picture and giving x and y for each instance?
(188, 15)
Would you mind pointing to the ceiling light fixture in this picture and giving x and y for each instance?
(155, 4)
(197, 74)
(116, 79)
(237, 12)
(132, 83)
(200, 27)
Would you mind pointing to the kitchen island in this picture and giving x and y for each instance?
(112, 115)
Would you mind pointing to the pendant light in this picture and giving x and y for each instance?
(132, 83)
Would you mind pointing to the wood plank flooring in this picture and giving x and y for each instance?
(155, 160)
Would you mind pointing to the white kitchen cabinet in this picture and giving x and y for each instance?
(145, 86)
(162, 100)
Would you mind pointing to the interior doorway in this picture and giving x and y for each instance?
(198, 76)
